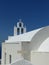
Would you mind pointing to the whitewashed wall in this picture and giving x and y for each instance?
(10, 49)
(40, 58)
(26, 50)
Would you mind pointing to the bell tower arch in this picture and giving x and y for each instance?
(20, 29)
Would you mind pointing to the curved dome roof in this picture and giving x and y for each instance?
(39, 38)
(44, 47)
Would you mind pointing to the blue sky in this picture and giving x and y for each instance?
(34, 14)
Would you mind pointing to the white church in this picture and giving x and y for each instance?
(26, 48)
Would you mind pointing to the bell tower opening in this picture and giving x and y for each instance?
(20, 29)
(20, 25)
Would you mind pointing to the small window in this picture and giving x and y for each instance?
(20, 25)
(5, 59)
(9, 58)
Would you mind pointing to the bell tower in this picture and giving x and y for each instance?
(20, 29)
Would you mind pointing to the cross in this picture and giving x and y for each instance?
(20, 20)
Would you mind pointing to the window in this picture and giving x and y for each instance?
(5, 59)
(9, 58)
